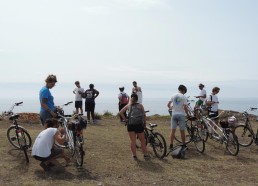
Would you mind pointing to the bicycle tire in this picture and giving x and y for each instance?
(159, 144)
(244, 135)
(199, 142)
(232, 142)
(79, 154)
(187, 133)
(26, 154)
(204, 133)
(12, 137)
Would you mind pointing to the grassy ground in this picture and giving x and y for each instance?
(108, 162)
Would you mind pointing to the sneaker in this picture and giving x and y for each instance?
(147, 157)
(45, 167)
(135, 158)
(171, 147)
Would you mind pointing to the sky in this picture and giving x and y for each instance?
(159, 43)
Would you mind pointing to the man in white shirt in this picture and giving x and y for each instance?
(137, 90)
(202, 97)
(213, 102)
(44, 150)
(178, 105)
(78, 91)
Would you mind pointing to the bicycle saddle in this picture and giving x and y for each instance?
(14, 117)
(153, 125)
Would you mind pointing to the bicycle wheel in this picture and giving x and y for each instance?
(232, 144)
(187, 133)
(12, 137)
(79, 153)
(198, 141)
(244, 135)
(203, 132)
(159, 145)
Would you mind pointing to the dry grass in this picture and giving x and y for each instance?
(108, 162)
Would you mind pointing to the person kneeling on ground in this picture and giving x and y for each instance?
(136, 123)
(44, 150)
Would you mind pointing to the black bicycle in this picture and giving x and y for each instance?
(17, 135)
(193, 135)
(245, 133)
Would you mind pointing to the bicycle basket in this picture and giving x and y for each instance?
(232, 121)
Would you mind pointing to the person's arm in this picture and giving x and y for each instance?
(60, 137)
(97, 94)
(122, 112)
(140, 89)
(169, 104)
(44, 105)
(145, 117)
(74, 91)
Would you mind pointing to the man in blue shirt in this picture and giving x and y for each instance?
(47, 100)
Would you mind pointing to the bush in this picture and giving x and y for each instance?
(97, 116)
(107, 113)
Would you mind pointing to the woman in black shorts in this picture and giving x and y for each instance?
(136, 124)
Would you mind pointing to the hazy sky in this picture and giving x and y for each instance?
(117, 41)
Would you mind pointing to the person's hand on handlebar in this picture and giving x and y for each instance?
(53, 114)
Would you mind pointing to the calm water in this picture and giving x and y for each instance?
(156, 106)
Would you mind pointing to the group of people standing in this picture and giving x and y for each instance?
(47, 109)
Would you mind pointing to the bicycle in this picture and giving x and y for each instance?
(74, 143)
(245, 132)
(17, 135)
(224, 134)
(156, 140)
(193, 135)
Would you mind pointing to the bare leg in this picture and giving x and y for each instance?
(141, 136)
(172, 136)
(132, 136)
(183, 136)
(92, 115)
(81, 111)
(77, 111)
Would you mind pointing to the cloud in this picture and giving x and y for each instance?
(2, 50)
(96, 10)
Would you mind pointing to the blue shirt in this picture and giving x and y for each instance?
(45, 93)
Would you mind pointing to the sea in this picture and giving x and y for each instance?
(154, 105)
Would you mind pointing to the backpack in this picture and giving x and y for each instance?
(178, 152)
(136, 115)
(124, 99)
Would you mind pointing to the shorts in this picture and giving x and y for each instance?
(78, 104)
(44, 115)
(90, 106)
(54, 153)
(180, 120)
(135, 128)
(213, 114)
(199, 102)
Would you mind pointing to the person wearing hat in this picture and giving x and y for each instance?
(123, 101)
(47, 100)
(201, 98)
(90, 95)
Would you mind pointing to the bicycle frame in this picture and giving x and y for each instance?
(69, 134)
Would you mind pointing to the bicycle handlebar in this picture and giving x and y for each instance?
(17, 104)
(147, 111)
(68, 103)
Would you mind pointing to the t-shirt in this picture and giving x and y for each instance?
(45, 93)
(90, 95)
(78, 96)
(178, 101)
(138, 91)
(44, 143)
(214, 107)
(203, 93)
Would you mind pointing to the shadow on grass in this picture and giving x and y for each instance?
(150, 166)
(60, 172)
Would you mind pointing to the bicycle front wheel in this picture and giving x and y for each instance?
(244, 135)
(187, 133)
(159, 145)
(13, 139)
(198, 141)
(79, 153)
(232, 144)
